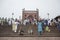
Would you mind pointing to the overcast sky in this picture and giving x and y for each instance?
(7, 7)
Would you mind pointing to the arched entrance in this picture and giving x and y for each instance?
(30, 17)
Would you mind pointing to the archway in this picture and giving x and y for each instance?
(30, 17)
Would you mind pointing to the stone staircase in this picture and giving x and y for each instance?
(7, 31)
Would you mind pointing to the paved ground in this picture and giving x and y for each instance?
(29, 38)
(5, 31)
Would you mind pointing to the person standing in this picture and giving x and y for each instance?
(39, 24)
(58, 26)
(14, 26)
(0, 22)
(47, 26)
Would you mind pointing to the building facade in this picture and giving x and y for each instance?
(30, 14)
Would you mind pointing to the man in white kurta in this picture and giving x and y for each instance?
(14, 26)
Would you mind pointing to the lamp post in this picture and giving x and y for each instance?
(48, 15)
(12, 16)
(19, 17)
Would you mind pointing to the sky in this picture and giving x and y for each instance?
(7, 7)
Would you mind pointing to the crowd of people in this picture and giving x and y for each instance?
(41, 24)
